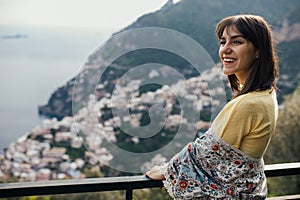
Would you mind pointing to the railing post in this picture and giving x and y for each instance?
(129, 194)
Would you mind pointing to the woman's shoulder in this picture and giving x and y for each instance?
(256, 100)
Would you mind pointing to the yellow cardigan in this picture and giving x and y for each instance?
(248, 122)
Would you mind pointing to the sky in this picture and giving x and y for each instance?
(112, 14)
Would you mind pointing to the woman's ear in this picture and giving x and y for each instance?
(257, 53)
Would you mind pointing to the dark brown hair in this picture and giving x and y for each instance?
(265, 72)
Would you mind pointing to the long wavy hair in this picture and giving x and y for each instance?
(264, 74)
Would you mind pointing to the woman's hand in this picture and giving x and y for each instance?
(155, 173)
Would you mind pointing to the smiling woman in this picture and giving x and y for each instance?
(226, 162)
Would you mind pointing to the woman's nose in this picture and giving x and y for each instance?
(226, 49)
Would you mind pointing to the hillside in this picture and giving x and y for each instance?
(195, 18)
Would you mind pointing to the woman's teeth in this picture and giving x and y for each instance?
(228, 60)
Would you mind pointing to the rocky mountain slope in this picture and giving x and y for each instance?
(195, 18)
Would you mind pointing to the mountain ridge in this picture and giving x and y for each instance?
(187, 17)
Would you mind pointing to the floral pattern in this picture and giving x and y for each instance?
(210, 168)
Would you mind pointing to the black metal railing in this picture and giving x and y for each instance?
(127, 183)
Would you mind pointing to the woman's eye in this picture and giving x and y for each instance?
(237, 42)
(222, 42)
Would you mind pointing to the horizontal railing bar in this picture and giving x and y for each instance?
(282, 169)
(76, 186)
(111, 183)
(289, 197)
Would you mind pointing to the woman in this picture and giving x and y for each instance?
(226, 161)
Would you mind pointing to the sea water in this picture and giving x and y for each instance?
(34, 61)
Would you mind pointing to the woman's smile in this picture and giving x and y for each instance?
(227, 61)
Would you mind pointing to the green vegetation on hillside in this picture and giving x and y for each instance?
(285, 145)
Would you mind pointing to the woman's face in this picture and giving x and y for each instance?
(237, 54)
